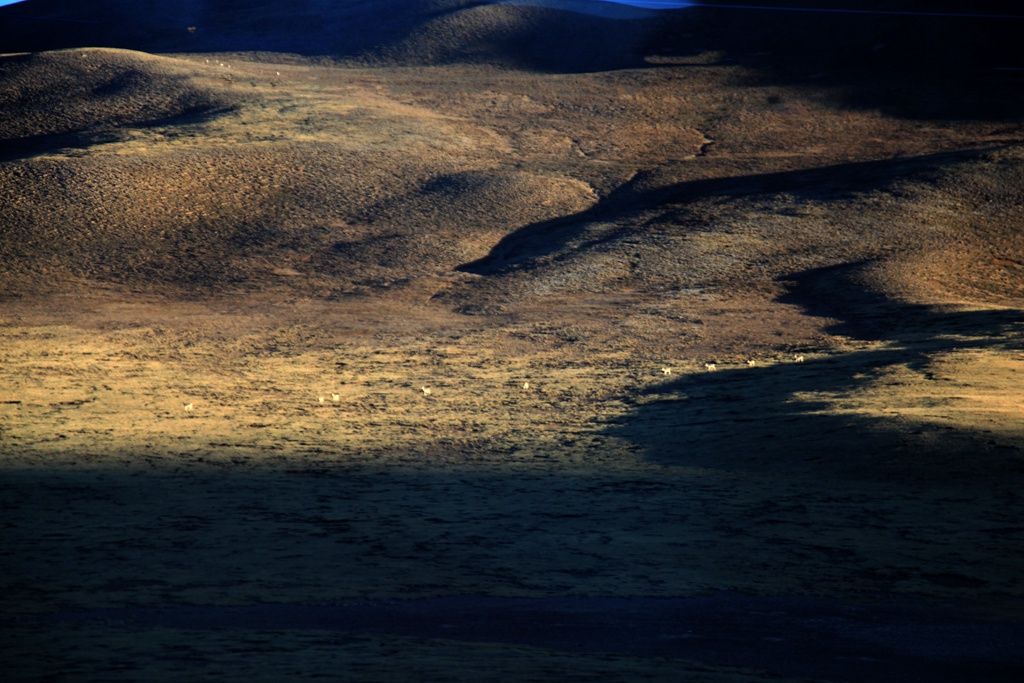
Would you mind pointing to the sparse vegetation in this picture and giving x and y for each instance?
(416, 234)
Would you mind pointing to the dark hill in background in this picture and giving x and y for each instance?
(407, 31)
(913, 65)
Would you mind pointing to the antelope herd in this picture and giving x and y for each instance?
(666, 371)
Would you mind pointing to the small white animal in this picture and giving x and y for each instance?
(798, 359)
(666, 371)
(526, 385)
(188, 407)
(710, 366)
(751, 362)
(320, 398)
(425, 390)
(335, 397)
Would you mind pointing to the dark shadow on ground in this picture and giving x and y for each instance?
(538, 240)
(760, 417)
(760, 420)
(237, 546)
(846, 295)
(786, 429)
(911, 65)
(78, 142)
(896, 641)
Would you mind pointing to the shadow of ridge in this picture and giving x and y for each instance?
(732, 629)
(908, 65)
(768, 417)
(770, 420)
(546, 238)
(80, 140)
(291, 528)
(863, 309)
(415, 551)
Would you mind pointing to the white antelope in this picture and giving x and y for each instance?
(320, 398)
(666, 371)
(798, 359)
(526, 385)
(425, 390)
(335, 397)
(751, 362)
(710, 367)
(188, 407)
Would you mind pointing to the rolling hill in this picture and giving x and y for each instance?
(433, 339)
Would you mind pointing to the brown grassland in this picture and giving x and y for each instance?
(295, 248)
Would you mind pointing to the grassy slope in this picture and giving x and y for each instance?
(251, 236)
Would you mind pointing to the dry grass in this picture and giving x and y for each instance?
(368, 232)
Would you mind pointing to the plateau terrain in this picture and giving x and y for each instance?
(429, 340)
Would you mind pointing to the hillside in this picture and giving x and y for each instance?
(431, 339)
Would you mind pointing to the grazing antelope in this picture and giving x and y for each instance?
(320, 398)
(710, 367)
(666, 371)
(188, 407)
(425, 390)
(751, 362)
(798, 359)
(335, 397)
